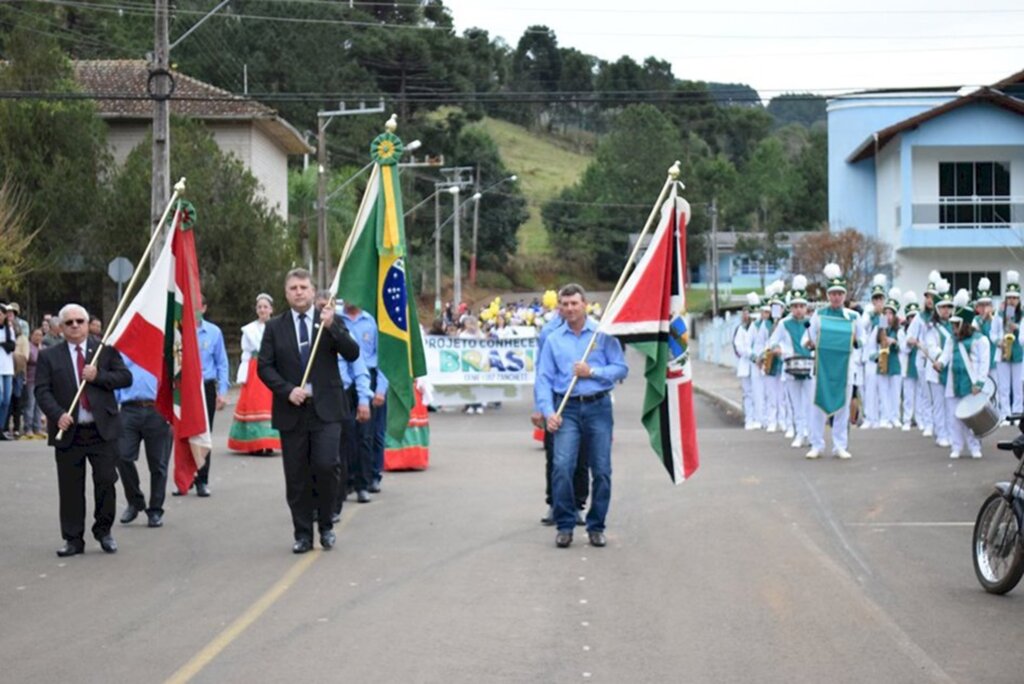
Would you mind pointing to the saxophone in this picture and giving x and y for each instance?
(883, 352)
(1008, 338)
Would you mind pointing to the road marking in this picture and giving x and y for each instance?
(250, 616)
(836, 529)
(909, 524)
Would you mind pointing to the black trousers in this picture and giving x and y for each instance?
(144, 424)
(310, 459)
(102, 456)
(210, 389)
(580, 476)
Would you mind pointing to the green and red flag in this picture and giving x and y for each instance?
(373, 277)
(650, 314)
(158, 333)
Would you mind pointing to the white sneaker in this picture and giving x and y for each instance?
(812, 454)
(944, 443)
(885, 425)
(479, 410)
(755, 426)
(906, 427)
(790, 433)
(954, 454)
(866, 426)
(798, 442)
(1006, 423)
(843, 453)
(772, 428)
(749, 426)
(975, 454)
(927, 432)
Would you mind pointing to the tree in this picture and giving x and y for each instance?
(15, 237)
(858, 255)
(241, 243)
(56, 150)
(806, 109)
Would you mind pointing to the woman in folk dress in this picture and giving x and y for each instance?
(250, 431)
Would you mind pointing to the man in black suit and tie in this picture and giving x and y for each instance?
(308, 417)
(90, 432)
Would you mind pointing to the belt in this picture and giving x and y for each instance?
(587, 398)
(146, 403)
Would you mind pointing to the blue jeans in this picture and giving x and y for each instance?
(6, 388)
(587, 426)
(32, 415)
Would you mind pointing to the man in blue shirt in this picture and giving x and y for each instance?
(364, 329)
(214, 358)
(587, 417)
(140, 421)
(581, 478)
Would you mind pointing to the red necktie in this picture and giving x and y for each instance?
(81, 367)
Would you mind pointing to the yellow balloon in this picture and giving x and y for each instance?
(550, 299)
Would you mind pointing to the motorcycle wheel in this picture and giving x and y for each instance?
(998, 552)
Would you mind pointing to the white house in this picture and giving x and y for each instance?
(936, 173)
(260, 139)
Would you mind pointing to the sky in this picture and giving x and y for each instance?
(821, 46)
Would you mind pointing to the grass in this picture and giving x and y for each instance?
(544, 166)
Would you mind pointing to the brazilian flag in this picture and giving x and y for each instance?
(373, 277)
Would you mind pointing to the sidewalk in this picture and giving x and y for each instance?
(720, 385)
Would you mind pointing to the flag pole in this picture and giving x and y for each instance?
(673, 178)
(337, 276)
(179, 189)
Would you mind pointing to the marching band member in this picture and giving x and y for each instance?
(787, 340)
(909, 362)
(1010, 355)
(760, 332)
(887, 361)
(741, 347)
(833, 334)
(870, 322)
(932, 344)
(983, 322)
(773, 398)
(966, 358)
(923, 411)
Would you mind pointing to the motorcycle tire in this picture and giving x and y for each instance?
(998, 550)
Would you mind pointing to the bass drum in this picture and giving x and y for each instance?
(978, 414)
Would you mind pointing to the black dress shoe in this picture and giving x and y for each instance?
(549, 517)
(71, 548)
(563, 539)
(327, 539)
(108, 544)
(202, 489)
(156, 519)
(180, 492)
(130, 513)
(363, 496)
(302, 546)
(374, 487)
(597, 538)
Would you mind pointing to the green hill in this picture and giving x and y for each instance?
(544, 166)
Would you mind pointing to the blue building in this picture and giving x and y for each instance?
(936, 173)
(736, 271)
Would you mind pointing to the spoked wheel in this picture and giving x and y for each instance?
(998, 553)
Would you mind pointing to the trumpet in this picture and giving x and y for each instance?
(767, 361)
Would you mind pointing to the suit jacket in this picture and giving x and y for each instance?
(56, 387)
(280, 368)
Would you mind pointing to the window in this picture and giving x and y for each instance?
(969, 280)
(975, 194)
(750, 266)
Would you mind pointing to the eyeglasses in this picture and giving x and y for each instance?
(75, 321)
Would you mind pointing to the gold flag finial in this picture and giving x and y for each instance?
(179, 187)
(392, 124)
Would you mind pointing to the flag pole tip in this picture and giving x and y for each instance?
(392, 124)
(673, 171)
(179, 187)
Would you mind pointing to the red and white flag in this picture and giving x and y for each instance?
(158, 333)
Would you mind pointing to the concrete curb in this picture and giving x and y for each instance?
(731, 409)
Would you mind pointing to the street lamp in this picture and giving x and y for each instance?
(456, 248)
(476, 222)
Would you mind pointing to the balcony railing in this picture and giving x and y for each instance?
(958, 213)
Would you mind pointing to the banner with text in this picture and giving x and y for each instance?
(456, 361)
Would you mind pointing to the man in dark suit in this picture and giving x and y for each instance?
(90, 432)
(308, 417)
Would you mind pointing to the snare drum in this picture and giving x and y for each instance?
(799, 366)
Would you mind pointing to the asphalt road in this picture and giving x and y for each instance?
(763, 568)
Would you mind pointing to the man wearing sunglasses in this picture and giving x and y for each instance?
(90, 430)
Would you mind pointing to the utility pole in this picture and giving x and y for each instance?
(323, 121)
(714, 257)
(160, 85)
(437, 252)
(456, 249)
(476, 225)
